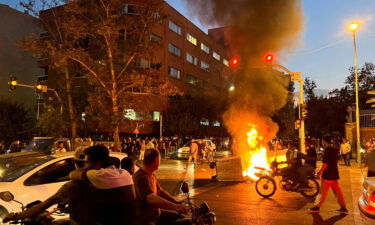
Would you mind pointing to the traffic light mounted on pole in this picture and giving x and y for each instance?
(303, 111)
(371, 100)
(12, 83)
(40, 88)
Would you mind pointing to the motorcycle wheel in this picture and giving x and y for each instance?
(265, 187)
(313, 190)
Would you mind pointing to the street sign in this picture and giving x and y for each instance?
(136, 131)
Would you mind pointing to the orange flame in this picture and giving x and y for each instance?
(258, 154)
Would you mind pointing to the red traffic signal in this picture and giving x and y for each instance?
(269, 58)
(234, 62)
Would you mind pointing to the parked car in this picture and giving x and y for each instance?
(366, 201)
(47, 145)
(32, 176)
(184, 151)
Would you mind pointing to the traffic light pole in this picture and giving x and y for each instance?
(297, 77)
(48, 89)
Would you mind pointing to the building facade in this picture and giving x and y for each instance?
(191, 59)
(14, 61)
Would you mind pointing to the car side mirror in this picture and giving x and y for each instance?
(184, 187)
(6, 196)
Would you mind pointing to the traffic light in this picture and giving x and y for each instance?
(40, 88)
(12, 83)
(269, 58)
(234, 62)
(304, 111)
(371, 100)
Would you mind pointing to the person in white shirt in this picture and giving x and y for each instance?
(345, 149)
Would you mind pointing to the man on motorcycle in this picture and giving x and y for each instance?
(296, 171)
(153, 200)
(113, 199)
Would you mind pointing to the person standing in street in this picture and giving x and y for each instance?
(193, 154)
(345, 149)
(330, 175)
(142, 150)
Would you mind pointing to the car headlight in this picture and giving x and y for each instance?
(179, 150)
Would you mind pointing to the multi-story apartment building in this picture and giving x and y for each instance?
(14, 26)
(191, 59)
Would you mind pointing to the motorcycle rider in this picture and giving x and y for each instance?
(296, 171)
(153, 200)
(72, 193)
(112, 189)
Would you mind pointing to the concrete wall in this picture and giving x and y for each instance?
(15, 25)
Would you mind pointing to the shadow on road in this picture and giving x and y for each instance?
(318, 219)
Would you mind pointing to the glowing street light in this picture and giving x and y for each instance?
(353, 27)
(231, 88)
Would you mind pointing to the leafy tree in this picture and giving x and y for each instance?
(15, 122)
(308, 87)
(54, 46)
(110, 48)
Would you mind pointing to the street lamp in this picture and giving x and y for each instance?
(353, 27)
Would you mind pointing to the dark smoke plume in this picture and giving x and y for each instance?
(254, 28)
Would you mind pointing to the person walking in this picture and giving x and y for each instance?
(330, 176)
(193, 154)
(143, 150)
(345, 149)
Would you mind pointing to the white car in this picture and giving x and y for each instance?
(32, 176)
(184, 151)
(366, 202)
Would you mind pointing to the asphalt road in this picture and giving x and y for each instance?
(238, 203)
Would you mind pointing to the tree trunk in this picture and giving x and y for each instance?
(72, 117)
(116, 133)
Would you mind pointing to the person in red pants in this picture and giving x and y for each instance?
(330, 175)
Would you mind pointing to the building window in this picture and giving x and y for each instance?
(205, 66)
(225, 62)
(142, 63)
(155, 37)
(191, 79)
(130, 9)
(173, 72)
(130, 114)
(122, 34)
(204, 122)
(216, 124)
(172, 26)
(191, 59)
(174, 50)
(191, 39)
(216, 56)
(156, 116)
(203, 84)
(205, 48)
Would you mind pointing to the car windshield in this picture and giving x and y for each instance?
(12, 168)
(40, 145)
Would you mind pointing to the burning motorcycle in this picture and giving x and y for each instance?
(266, 184)
(44, 218)
(200, 215)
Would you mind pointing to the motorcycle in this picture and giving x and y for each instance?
(200, 215)
(44, 218)
(266, 184)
